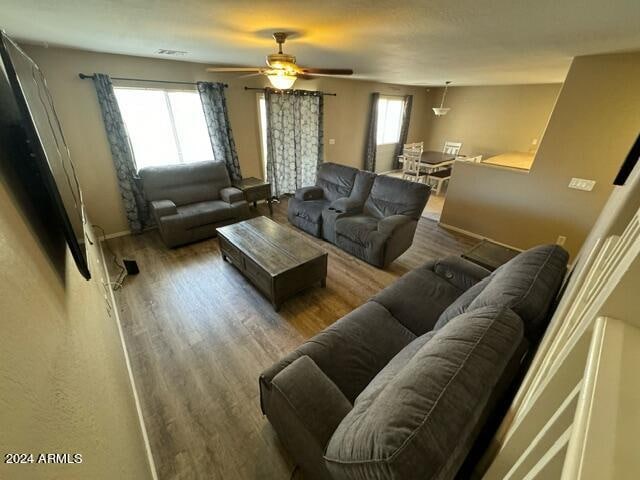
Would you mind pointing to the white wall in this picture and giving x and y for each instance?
(64, 385)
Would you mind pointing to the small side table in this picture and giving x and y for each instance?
(255, 189)
(489, 255)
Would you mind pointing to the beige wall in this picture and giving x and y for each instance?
(64, 383)
(492, 119)
(591, 129)
(346, 116)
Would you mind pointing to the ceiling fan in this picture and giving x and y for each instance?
(282, 70)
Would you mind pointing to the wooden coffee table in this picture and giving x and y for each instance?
(277, 260)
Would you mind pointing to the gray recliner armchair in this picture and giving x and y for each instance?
(305, 207)
(385, 226)
(190, 201)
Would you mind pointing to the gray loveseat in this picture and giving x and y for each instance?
(306, 206)
(401, 387)
(189, 201)
(373, 217)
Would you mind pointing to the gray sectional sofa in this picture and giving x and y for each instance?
(401, 387)
(373, 217)
(189, 201)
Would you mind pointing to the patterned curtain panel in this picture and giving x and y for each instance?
(294, 138)
(214, 105)
(404, 129)
(135, 204)
(372, 135)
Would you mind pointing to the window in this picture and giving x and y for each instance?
(165, 127)
(389, 120)
(262, 110)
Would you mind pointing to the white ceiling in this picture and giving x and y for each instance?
(422, 42)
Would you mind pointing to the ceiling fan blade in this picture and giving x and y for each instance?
(327, 71)
(250, 75)
(233, 69)
(304, 76)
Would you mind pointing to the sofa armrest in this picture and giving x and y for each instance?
(309, 193)
(163, 208)
(346, 205)
(460, 272)
(304, 392)
(387, 225)
(231, 194)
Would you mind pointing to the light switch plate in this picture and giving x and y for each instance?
(582, 184)
(332, 141)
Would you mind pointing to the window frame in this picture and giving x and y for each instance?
(387, 98)
(172, 122)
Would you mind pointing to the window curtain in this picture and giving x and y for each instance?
(135, 204)
(214, 105)
(404, 129)
(372, 135)
(294, 138)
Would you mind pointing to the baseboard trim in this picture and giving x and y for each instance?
(116, 315)
(123, 233)
(476, 235)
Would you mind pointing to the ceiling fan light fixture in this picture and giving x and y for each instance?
(281, 80)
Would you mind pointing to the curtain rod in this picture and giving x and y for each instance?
(263, 89)
(84, 76)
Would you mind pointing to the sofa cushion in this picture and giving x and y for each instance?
(420, 421)
(205, 213)
(185, 183)
(418, 298)
(527, 284)
(394, 196)
(461, 304)
(362, 186)
(336, 180)
(357, 228)
(351, 351)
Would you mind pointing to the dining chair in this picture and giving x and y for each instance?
(412, 162)
(452, 148)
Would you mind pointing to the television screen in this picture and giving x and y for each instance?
(34, 159)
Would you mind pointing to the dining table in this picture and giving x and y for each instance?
(432, 160)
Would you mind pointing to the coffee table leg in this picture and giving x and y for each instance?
(323, 282)
(270, 207)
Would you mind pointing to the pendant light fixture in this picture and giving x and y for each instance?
(441, 111)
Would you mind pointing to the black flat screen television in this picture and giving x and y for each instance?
(35, 163)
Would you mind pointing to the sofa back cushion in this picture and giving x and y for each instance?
(394, 196)
(362, 186)
(527, 284)
(185, 183)
(336, 180)
(419, 421)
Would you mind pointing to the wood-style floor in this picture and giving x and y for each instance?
(199, 334)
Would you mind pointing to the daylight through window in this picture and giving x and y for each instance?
(165, 126)
(389, 120)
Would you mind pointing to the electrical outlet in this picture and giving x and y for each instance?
(561, 240)
(332, 141)
(582, 184)
(534, 141)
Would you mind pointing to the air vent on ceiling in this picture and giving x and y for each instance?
(178, 53)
